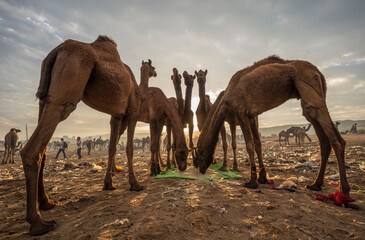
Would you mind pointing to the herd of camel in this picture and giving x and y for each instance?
(94, 73)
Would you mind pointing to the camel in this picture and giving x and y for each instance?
(201, 114)
(293, 130)
(284, 135)
(184, 112)
(336, 124)
(188, 113)
(72, 72)
(353, 129)
(10, 144)
(262, 87)
(301, 136)
(155, 109)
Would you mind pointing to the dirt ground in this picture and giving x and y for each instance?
(190, 209)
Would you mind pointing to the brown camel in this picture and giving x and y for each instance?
(262, 87)
(301, 135)
(201, 114)
(188, 113)
(75, 71)
(156, 110)
(284, 135)
(184, 110)
(293, 130)
(10, 144)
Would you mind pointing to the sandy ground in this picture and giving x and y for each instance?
(190, 209)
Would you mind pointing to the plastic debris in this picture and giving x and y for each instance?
(221, 210)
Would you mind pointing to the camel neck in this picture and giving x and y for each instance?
(188, 93)
(202, 97)
(143, 85)
(179, 98)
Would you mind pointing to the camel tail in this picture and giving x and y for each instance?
(46, 73)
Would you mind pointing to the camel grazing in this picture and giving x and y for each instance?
(75, 71)
(293, 130)
(284, 135)
(159, 110)
(184, 111)
(202, 112)
(262, 87)
(10, 144)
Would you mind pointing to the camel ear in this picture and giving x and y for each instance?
(142, 61)
(206, 71)
(149, 61)
(196, 73)
(194, 77)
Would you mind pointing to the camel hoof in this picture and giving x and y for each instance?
(109, 186)
(223, 169)
(314, 187)
(42, 227)
(262, 180)
(136, 187)
(48, 205)
(251, 184)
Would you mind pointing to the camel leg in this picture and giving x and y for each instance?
(246, 130)
(32, 162)
(232, 126)
(44, 202)
(224, 145)
(158, 141)
(6, 153)
(153, 129)
(191, 143)
(317, 112)
(168, 145)
(258, 149)
(132, 121)
(115, 125)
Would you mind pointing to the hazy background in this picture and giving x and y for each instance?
(221, 36)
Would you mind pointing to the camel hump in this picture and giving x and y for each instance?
(102, 38)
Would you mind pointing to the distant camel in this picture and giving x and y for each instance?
(146, 141)
(336, 124)
(75, 71)
(10, 144)
(353, 129)
(284, 135)
(301, 136)
(293, 130)
(261, 87)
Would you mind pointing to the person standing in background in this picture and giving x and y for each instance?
(62, 146)
(78, 144)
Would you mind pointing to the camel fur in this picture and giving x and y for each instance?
(262, 87)
(73, 72)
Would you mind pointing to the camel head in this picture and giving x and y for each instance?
(189, 79)
(181, 157)
(201, 76)
(147, 67)
(203, 159)
(15, 130)
(176, 77)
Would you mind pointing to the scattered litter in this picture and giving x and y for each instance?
(302, 179)
(271, 182)
(334, 183)
(221, 210)
(361, 191)
(337, 198)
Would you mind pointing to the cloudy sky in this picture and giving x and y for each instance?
(221, 36)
